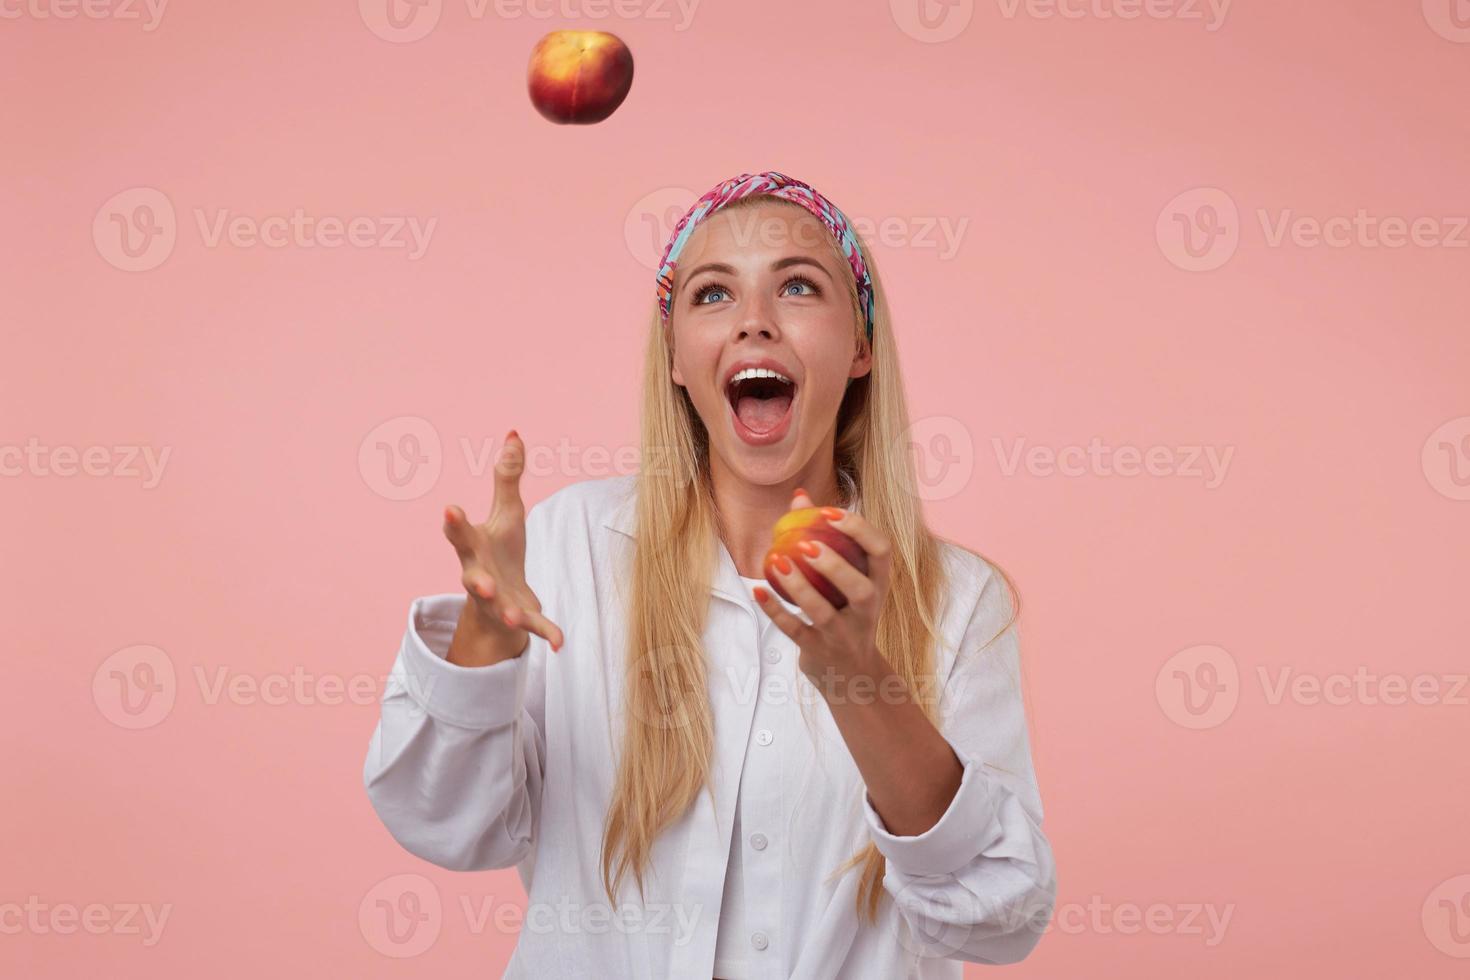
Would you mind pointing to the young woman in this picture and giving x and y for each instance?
(694, 777)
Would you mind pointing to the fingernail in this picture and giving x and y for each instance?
(809, 548)
(761, 595)
(798, 492)
(833, 513)
(783, 564)
(512, 434)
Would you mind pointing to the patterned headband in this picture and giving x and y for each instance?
(775, 185)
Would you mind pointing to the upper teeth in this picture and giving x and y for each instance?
(749, 373)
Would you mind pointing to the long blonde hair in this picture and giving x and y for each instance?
(669, 734)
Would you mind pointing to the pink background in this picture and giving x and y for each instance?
(1333, 835)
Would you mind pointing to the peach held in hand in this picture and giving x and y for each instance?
(579, 76)
(808, 524)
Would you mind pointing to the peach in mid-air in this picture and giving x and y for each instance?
(579, 76)
(808, 524)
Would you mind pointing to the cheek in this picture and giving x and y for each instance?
(828, 364)
(692, 365)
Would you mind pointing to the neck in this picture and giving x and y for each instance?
(749, 511)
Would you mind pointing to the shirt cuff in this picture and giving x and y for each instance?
(471, 697)
(966, 828)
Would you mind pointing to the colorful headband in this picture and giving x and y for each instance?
(775, 185)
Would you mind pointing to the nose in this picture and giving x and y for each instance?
(757, 319)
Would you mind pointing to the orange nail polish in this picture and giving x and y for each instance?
(798, 492)
(809, 548)
(512, 434)
(833, 513)
(783, 564)
(761, 594)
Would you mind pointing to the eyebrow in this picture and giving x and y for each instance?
(776, 266)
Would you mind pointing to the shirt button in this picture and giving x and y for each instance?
(759, 940)
(764, 737)
(758, 841)
(773, 656)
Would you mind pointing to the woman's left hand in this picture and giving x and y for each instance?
(838, 642)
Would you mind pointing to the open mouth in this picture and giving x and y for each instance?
(761, 399)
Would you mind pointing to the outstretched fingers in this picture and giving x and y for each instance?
(518, 617)
(459, 531)
(508, 469)
(479, 583)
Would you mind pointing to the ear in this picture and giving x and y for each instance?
(676, 374)
(862, 362)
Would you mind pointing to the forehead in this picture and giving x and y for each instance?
(768, 230)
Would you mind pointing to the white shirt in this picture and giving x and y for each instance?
(473, 768)
(731, 942)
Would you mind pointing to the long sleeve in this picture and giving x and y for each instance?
(455, 765)
(980, 885)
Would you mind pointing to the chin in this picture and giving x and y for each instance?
(762, 470)
(769, 464)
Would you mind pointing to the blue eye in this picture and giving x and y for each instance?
(715, 293)
(800, 281)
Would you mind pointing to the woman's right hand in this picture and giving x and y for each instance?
(501, 611)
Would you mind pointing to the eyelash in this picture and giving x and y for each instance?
(710, 287)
